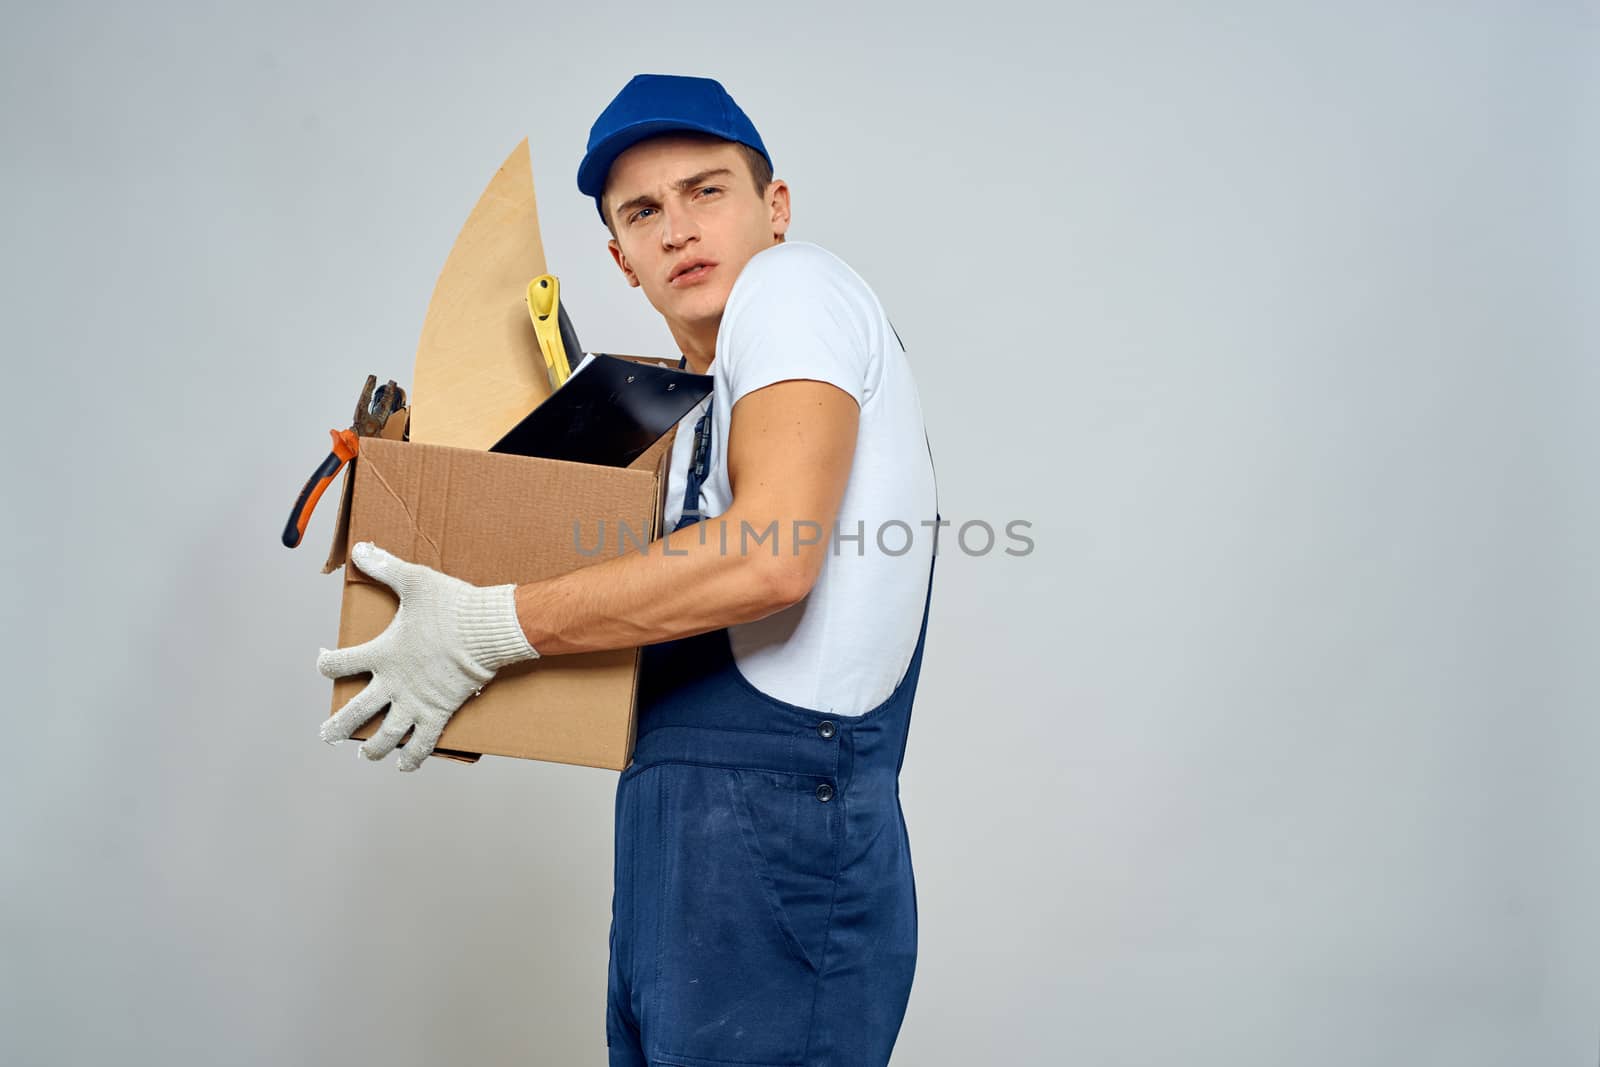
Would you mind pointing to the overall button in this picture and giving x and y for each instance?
(824, 792)
(826, 728)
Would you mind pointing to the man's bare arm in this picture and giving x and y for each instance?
(789, 455)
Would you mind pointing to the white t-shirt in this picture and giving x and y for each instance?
(798, 311)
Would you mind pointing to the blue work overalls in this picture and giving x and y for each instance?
(763, 910)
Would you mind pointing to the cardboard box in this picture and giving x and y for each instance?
(489, 518)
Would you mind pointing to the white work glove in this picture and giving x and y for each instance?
(445, 643)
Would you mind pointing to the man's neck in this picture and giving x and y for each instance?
(697, 347)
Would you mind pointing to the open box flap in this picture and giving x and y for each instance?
(394, 429)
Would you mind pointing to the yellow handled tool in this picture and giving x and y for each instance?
(544, 307)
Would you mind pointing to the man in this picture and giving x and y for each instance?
(763, 909)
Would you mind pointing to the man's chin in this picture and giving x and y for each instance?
(700, 308)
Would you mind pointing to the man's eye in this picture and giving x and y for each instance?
(637, 214)
(711, 188)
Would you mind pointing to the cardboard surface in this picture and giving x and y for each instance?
(478, 368)
(490, 518)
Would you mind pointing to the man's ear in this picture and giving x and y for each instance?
(778, 204)
(622, 262)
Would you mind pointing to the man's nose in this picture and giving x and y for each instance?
(677, 228)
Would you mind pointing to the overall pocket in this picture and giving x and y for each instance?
(793, 840)
(745, 895)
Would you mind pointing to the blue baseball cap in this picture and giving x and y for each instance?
(651, 104)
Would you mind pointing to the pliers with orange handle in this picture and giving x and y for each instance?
(372, 411)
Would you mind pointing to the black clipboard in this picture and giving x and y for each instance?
(608, 413)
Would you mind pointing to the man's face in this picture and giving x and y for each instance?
(678, 200)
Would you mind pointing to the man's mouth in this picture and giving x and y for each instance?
(691, 272)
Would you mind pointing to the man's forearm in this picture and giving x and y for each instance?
(676, 587)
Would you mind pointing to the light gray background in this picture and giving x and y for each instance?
(1270, 318)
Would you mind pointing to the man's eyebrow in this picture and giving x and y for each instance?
(682, 185)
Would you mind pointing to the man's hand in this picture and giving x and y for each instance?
(445, 643)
